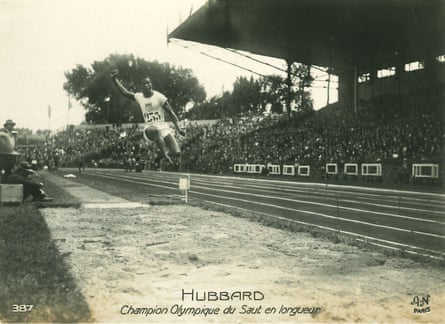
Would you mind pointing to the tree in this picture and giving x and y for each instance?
(92, 86)
(302, 81)
(274, 92)
(246, 96)
(209, 109)
(218, 107)
(249, 95)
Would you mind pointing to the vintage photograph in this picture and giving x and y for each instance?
(222, 161)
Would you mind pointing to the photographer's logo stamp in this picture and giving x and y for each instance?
(421, 304)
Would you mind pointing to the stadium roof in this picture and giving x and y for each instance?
(335, 33)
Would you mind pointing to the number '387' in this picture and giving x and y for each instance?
(23, 308)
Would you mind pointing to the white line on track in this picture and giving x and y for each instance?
(330, 196)
(325, 185)
(324, 215)
(299, 187)
(326, 205)
(356, 189)
(138, 182)
(288, 200)
(366, 237)
(295, 185)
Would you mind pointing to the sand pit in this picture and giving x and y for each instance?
(132, 261)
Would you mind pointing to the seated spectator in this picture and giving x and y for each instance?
(22, 175)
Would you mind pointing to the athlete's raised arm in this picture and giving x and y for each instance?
(119, 85)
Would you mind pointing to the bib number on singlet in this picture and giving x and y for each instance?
(152, 116)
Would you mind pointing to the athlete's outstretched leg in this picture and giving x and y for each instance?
(173, 146)
(174, 150)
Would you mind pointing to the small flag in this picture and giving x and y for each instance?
(49, 111)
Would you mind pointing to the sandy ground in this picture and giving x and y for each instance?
(143, 259)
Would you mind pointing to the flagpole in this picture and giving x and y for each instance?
(49, 120)
(68, 113)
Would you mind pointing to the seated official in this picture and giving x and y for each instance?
(22, 175)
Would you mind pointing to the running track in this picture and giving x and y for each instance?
(413, 222)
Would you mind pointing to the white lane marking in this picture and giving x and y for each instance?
(407, 251)
(113, 205)
(335, 230)
(419, 201)
(317, 184)
(305, 185)
(326, 205)
(138, 182)
(329, 192)
(332, 197)
(291, 200)
(323, 215)
(396, 207)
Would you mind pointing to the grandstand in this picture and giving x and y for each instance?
(389, 57)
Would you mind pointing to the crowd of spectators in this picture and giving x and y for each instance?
(315, 141)
(408, 132)
(329, 135)
(107, 147)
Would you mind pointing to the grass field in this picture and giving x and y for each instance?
(35, 281)
(61, 198)
(133, 192)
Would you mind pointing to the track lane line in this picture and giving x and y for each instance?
(338, 231)
(333, 197)
(328, 205)
(325, 215)
(295, 201)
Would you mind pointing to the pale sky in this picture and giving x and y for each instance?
(42, 39)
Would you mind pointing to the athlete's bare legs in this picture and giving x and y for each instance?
(154, 135)
(168, 145)
(172, 145)
(174, 150)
